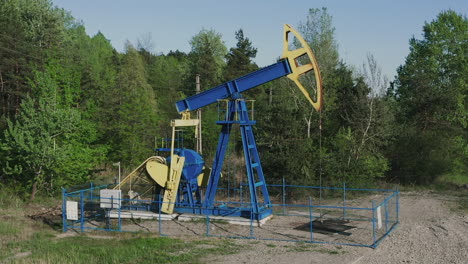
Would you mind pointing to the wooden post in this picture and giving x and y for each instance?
(199, 116)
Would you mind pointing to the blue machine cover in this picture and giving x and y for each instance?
(193, 165)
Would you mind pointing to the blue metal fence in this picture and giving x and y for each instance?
(353, 221)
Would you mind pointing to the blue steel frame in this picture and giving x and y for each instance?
(237, 114)
(255, 176)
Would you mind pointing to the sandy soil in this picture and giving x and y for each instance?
(429, 232)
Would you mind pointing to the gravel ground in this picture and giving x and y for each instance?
(429, 232)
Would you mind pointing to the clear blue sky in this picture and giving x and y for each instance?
(380, 27)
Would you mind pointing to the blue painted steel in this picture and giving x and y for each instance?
(189, 195)
(159, 212)
(82, 216)
(236, 86)
(255, 177)
(120, 218)
(331, 188)
(384, 236)
(251, 222)
(218, 163)
(284, 196)
(64, 209)
(253, 165)
(91, 188)
(99, 187)
(387, 198)
(397, 206)
(311, 219)
(386, 217)
(373, 223)
(193, 165)
(344, 200)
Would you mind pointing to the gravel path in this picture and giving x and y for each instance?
(429, 232)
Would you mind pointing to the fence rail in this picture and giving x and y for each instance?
(338, 220)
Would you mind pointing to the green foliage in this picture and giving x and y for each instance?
(48, 144)
(319, 32)
(30, 30)
(207, 59)
(431, 90)
(134, 126)
(239, 59)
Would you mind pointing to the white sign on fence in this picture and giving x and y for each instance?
(72, 210)
(379, 218)
(110, 198)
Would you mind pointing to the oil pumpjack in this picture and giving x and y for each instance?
(179, 178)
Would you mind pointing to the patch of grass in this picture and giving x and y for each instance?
(453, 178)
(302, 247)
(8, 228)
(462, 202)
(329, 251)
(271, 245)
(82, 249)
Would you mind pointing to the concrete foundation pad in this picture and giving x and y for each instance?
(130, 214)
(230, 220)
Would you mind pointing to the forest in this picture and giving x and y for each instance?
(71, 105)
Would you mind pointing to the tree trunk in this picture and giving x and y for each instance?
(33, 192)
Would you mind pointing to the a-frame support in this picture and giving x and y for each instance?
(260, 204)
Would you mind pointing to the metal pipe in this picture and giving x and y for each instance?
(64, 209)
(311, 220)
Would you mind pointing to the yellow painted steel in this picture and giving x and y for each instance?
(172, 184)
(184, 123)
(136, 172)
(203, 178)
(158, 172)
(298, 70)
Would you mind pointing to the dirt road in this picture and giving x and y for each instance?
(429, 232)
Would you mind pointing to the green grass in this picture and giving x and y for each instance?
(456, 179)
(302, 247)
(44, 247)
(8, 229)
(82, 249)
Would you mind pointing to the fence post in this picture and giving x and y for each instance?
(284, 196)
(386, 216)
(120, 218)
(311, 220)
(241, 196)
(398, 206)
(64, 210)
(229, 186)
(91, 189)
(251, 221)
(159, 212)
(344, 200)
(373, 224)
(207, 223)
(82, 211)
